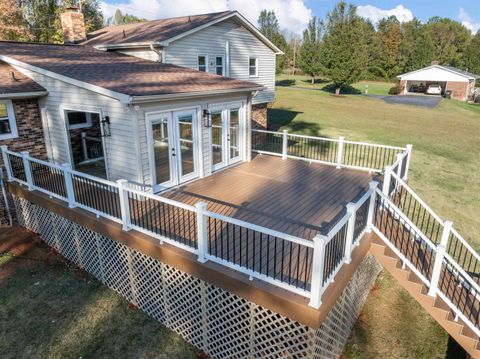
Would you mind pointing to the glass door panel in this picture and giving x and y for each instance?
(162, 161)
(217, 138)
(186, 151)
(234, 135)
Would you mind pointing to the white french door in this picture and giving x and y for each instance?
(173, 140)
(226, 135)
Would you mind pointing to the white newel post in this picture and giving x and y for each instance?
(285, 144)
(350, 232)
(409, 150)
(371, 208)
(124, 205)
(387, 177)
(318, 263)
(440, 254)
(341, 141)
(6, 162)
(400, 160)
(67, 175)
(202, 231)
(28, 170)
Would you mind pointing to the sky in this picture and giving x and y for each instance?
(293, 15)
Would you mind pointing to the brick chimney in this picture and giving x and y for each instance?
(435, 62)
(73, 26)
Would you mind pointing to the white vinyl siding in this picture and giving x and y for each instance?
(243, 45)
(121, 151)
(142, 53)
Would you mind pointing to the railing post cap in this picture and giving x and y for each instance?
(122, 181)
(4, 147)
(66, 165)
(448, 224)
(373, 184)
(201, 205)
(409, 146)
(285, 131)
(351, 207)
(319, 238)
(341, 138)
(388, 168)
(24, 153)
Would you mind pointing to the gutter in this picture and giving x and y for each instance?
(126, 45)
(186, 95)
(20, 95)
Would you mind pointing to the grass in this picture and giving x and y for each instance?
(446, 143)
(444, 172)
(50, 309)
(300, 81)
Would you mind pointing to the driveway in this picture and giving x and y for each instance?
(413, 100)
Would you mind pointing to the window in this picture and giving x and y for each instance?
(219, 67)
(202, 63)
(253, 66)
(80, 119)
(8, 127)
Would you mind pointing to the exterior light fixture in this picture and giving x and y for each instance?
(106, 126)
(207, 119)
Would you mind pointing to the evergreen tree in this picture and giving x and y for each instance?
(344, 52)
(309, 59)
(269, 26)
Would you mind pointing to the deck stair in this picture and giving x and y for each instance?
(430, 259)
(436, 307)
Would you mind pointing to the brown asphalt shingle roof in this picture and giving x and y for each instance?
(151, 31)
(21, 83)
(120, 73)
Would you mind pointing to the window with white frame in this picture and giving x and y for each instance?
(8, 127)
(202, 63)
(219, 65)
(79, 119)
(253, 67)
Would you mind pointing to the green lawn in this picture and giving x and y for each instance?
(444, 172)
(50, 309)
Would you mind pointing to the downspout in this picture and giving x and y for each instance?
(227, 59)
(159, 53)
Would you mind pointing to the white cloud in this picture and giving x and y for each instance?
(467, 21)
(375, 14)
(293, 15)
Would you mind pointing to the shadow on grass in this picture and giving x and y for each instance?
(285, 83)
(454, 351)
(316, 81)
(344, 90)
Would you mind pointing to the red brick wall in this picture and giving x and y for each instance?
(30, 131)
(459, 90)
(259, 116)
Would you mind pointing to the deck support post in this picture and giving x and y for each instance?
(341, 144)
(285, 145)
(407, 166)
(6, 162)
(27, 169)
(387, 177)
(350, 232)
(400, 160)
(124, 204)
(202, 231)
(371, 208)
(67, 175)
(437, 266)
(318, 261)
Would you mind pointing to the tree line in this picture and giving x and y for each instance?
(346, 47)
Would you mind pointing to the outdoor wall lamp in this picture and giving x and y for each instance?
(207, 119)
(106, 126)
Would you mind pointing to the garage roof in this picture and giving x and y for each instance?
(438, 73)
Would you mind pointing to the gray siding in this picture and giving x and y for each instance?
(243, 44)
(121, 152)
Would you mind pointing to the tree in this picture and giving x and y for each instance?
(450, 38)
(344, 50)
(309, 59)
(118, 18)
(12, 24)
(390, 38)
(93, 15)
(472, 55)
(269, 26)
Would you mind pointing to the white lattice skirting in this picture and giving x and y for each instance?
(222, 324)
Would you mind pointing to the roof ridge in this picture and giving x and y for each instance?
(37, 43)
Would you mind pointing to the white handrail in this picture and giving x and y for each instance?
(314, 137)
(257, 228)
(161, 199)
(376, 145)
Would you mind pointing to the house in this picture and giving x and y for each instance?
(223, 43)
(247, 242)
(461, 83)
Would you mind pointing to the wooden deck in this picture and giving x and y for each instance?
(291, 196)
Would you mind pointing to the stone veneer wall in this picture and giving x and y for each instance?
(223, 325)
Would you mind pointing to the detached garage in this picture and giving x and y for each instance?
(437, 79)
